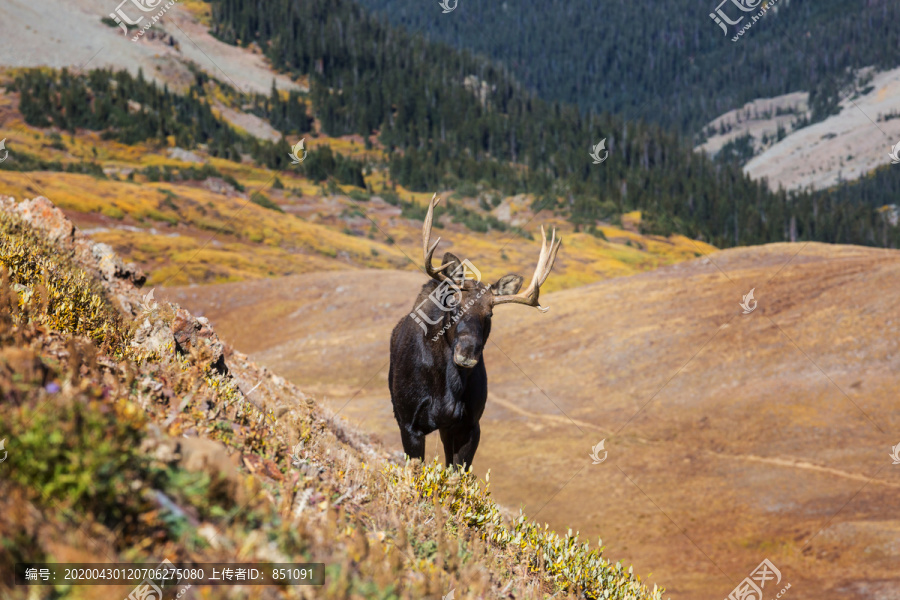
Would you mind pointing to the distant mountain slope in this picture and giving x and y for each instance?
(734, 437)
(842, 148)
(195, 213)
(70, 33)
(445, 120)
(448, 118)
(666, 62)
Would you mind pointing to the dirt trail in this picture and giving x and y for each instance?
(555, 419)
(769, 460)
(808, 466)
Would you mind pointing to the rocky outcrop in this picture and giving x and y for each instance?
(112, 267)
(122, 282)
(197, 455)
(41, 214)
(120, 279)
(194, 334)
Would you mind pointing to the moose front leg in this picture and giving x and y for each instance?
(460, 444)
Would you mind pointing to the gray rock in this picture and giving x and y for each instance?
(43, 216)
(191, 332)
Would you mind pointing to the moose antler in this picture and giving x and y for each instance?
(529, 297)
(426, 240)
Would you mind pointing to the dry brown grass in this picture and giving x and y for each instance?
(731, 437)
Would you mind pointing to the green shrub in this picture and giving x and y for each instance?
(359, 196)
(55, 292)
(598, 233)
(260, 199)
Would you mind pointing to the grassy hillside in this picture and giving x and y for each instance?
(128, 441)
(188, 212)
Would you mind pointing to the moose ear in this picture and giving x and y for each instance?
(508, 285)
(454, 262)
(449, 257)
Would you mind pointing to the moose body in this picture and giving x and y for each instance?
(430, 391)
(437, 376)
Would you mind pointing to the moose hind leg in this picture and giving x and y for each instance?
(460, 444)
(413, 443)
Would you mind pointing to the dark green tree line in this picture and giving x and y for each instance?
(449, 117)
(131, 109)
(666, 62)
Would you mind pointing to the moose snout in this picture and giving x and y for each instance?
(466, 362)
(466, 353)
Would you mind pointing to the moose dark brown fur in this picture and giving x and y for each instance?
(437, 376)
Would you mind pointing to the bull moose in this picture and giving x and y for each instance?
(437, 376)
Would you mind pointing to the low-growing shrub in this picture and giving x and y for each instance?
(261, 199)
(570, 565)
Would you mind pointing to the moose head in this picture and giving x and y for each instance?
(467, 304)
